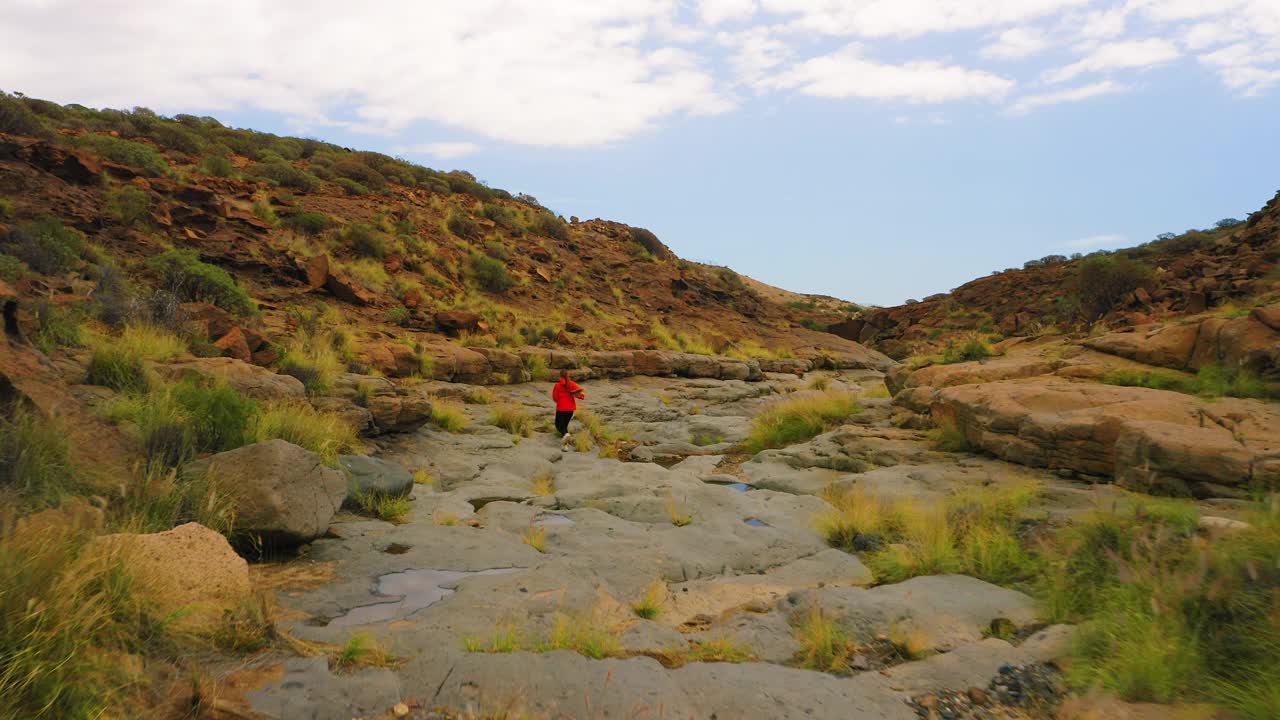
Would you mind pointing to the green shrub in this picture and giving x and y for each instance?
(647, 240)
(183, 273)
(219, 416)
(11, 268)
(500, 214)
(497, 250)
(126, 152)
(551, 226)
(58, 327)
(356, 171)
(490, 273)
(119, 368)
(800, 417)
(17, 119)
(6, 208)
(968, 351)
(365, 241)
(217, 166)
(308, 223)
(325, 434)
(1103, 280)
(399, 315)
(127, 204)
(285, 174)
(352, 187)
(462, 225)
(1210, 381)
(512, 418)
(34, 460)
(45, 245)
(176, 137)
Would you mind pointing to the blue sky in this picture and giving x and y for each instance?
(876, 150)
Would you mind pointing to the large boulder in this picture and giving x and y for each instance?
(453, 322)
(373, 476)
(251, 380)
(391, 358)
(190, 572)
(1249, 343)
(1151, 440)
(283, 494)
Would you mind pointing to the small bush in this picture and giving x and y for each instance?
(1103, 280)
(550, 225)
(719, 649)
(651, 604)
(365, 241)
(398, 315)
(513, 419)
(535, 537)
(11, 268)
(448, 415)
(360, 651)
(325, 434)
(126, 152)
(824, 645)
(462, 225)
(499, 214)
(117, 367)
(799, 417)
(308, 223)
(286, 175)
(217, 166)
(183, 273)
(392, 508)
(1210, 381)
(968, 351)
(34, 460)
(351, 187)
(490, 273)
(45, 245)
(18, 119)
(127, 204)
(647, 240)
(263, 211)
(6, 208)
(59, 327)
(353, 170)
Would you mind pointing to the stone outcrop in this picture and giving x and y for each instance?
(1249, 343)
(282, 493)
(1146, 439)
(251, 380)
(190, 572)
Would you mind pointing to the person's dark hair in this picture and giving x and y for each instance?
(564, 374)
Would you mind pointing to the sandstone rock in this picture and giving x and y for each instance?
(391, 359)
(1214, 523)
(370, 475)
(1168, 345)
(250, 380)
(1146, 439)
(209, 320)
(656, 363)
(1268, 315)
(501, 361)
(283, 494)
(357, 417)
(611, 364)
(348, 290)
(1008, 367)
(453, 322)
(190, 571)
(314, 270)
(234, 345)
(459, 364)
(400, 413)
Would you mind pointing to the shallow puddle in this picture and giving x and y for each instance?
(756, 522)
(417, 589)
(739, 486)
(552, 520)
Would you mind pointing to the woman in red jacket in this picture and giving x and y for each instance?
(566, 393)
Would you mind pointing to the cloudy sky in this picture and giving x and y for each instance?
(871, 149)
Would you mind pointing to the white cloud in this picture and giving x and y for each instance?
(845, 74)
(1015, 44)
(553, 73)
(1030, 102)
(909, 18)
(442, 150)
(574, 73)
(1097, 241)
(1121, 55)
(714, 12)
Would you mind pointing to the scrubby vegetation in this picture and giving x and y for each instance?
(184, 274)
(45, 245)
(1102, 281)
(512, 418)
(34, 461)
(392, 508)
(972, 349)
(800, 417)
(1210, 381)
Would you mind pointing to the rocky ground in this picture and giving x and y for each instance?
(745, 566)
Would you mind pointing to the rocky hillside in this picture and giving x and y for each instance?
(1231, 264)
(408, 253)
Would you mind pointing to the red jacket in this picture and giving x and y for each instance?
(564, 393)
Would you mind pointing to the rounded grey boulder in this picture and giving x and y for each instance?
(283, 494)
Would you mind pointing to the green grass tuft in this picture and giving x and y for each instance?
(799, 417)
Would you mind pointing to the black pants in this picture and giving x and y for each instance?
(562, 420)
